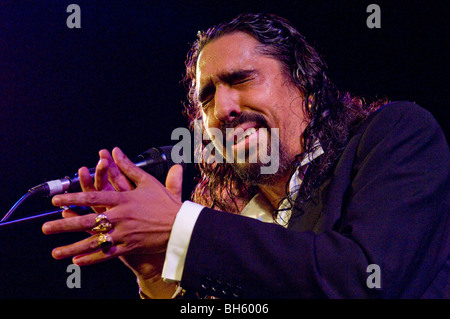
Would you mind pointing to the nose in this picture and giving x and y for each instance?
(226, 106)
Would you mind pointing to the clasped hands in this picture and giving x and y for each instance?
(141, 215)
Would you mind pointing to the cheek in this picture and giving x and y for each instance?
(212, 134)
(209, 120)
(206, 132)
(291, 137)
(291, 126)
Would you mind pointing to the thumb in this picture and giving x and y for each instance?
(174, 181)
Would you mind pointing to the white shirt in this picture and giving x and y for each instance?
(258, 207)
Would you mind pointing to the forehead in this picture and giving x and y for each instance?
(231, 52)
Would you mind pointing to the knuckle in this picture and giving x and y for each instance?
(93, 243)
(87, 221)
(91, 198)
(131, 245)
(119, 197)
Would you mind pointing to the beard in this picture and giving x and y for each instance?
(251, 172)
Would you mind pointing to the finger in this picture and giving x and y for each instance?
(82, 247)
(98, 256)
(72, 224)
(134, 173)
(174, 181)
(87, 251)
(101, 175)
(116, 179)
(87, 185)
(68, 213)
(92, 199)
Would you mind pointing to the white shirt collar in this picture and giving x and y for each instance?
(259, 206)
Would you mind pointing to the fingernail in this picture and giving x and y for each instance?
(56, 201)
(99, 165)
(76, 261)
(56, 253)
(46, 228)
(119, 150)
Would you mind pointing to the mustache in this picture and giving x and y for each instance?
(245, 117)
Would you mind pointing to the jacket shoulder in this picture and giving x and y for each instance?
(402, 112)
(397, 121)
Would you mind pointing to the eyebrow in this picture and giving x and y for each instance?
(235, 76)
(226, 77)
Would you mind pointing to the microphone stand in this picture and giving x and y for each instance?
(155, 161)
(77, 209)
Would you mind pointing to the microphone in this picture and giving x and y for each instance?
(155, 161)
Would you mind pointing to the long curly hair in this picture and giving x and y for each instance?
(331, 114)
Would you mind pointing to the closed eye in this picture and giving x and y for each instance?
(204, 105)
(238, 77)
(206, 92)
(205, 95)
(241, 81)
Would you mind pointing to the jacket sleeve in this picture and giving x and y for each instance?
(394, 214)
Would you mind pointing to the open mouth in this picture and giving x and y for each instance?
(247, 133)
(242, 133)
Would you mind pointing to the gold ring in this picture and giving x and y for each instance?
(102, 224)
(105, 242)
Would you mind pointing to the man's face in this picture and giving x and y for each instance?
(239, 87)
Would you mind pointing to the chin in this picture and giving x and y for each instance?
(250, 173)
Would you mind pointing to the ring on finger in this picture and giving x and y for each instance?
(102, 224)
(105, 242)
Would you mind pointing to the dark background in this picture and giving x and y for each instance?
(67, 93)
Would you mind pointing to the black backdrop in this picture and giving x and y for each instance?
(67, 93)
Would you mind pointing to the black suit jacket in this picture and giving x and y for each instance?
(387, 203)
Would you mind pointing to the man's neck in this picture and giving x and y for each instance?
(275, 192)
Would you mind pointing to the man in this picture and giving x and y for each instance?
(358, 207)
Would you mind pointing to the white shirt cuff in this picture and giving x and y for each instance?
(179, 241)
